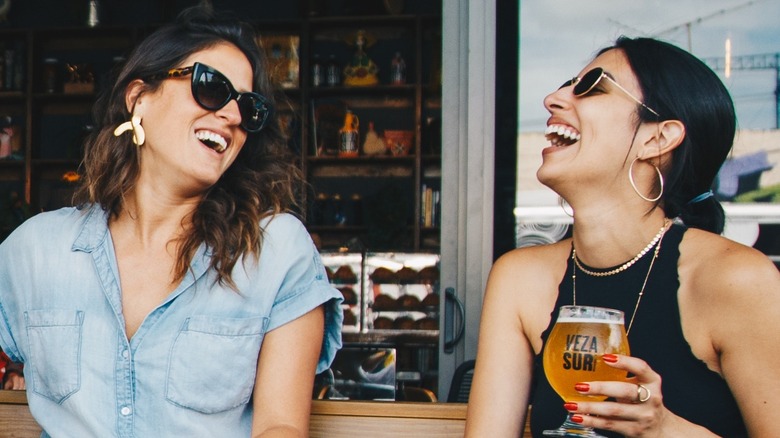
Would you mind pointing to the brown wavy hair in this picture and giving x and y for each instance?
(263, 180)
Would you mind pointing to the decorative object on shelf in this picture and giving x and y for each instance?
(430, 207)
(10, 142)
(399, 143)
(361, 71)
(50, 76)
(317, 72)
(348, 136)
(373, 145)
(81, 79)
(332, 72)
(293, 66)
(281, 51)
(398, 70)
(336, 214)
(328, 118)
(5, 8)
(5, 138)
(11, 65)
(94, 13)
(70, 176)
(431, 135)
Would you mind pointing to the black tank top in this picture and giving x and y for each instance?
(690, 389)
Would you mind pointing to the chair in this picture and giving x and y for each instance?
(461, 382)
(412, 393)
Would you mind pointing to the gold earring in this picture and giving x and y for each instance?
(563, 204)
(633, 184)
(134, 125)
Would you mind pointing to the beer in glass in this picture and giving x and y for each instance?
(573, 353)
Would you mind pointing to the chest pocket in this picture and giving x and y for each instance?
(54, 337)
(213, 363)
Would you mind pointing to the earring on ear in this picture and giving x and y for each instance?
(134, 125)
(563, 204)
(633, 184)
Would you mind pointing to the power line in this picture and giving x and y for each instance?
(764, 61)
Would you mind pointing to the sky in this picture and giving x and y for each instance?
(559, 37)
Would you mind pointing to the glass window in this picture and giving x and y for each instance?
(740, 40)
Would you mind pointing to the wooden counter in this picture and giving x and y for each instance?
(329, 419)
(15, 418)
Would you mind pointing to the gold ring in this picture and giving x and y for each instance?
(639, 398)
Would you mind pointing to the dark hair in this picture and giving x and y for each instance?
(681, 87)
(262, 181)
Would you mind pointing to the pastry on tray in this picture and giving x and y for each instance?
(383, 275)
(344, 274)
(408, 302)
(383, 323)
(384, 302)
(350, 296)
(407, 275)
(403, 323)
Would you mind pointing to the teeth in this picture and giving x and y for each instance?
(212, 140)
(561, 135)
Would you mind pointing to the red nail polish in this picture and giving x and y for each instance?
(569, 406)
(609, 358)
(576, 418)
(582, 387)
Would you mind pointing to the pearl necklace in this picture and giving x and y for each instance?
(656, 239)
(625, 265)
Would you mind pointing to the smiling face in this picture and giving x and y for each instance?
(593, 137)
(188, 147)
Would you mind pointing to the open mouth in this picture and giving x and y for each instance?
(212, 140)
(561, 135)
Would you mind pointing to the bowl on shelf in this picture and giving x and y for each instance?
(399, 143)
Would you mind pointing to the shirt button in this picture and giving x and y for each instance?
(125, 411)
(125, 354)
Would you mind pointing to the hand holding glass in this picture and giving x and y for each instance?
(573, 354)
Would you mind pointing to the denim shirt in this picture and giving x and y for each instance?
(190, 368)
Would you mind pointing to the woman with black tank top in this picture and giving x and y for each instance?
(636, 140)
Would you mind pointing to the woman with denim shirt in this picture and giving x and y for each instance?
(180, 298)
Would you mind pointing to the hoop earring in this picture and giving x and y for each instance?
(633, 184)
(563, 204)
(134, 125)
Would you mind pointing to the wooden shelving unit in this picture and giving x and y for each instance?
(53, 124)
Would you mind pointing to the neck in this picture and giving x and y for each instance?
(610, 239)
(152, 218)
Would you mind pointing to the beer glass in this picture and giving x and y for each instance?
(573, 353)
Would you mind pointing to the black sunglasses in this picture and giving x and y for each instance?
(212, 90)
(583, 85)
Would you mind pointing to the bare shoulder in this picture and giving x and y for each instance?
(524, 283)
(720, 265)
(529, 260)
(727, 283)
(524, 270)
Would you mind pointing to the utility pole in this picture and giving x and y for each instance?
(689, 24)
(766, 61)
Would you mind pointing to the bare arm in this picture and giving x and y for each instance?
(285, 377)
(746, 333)
(520, 293)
